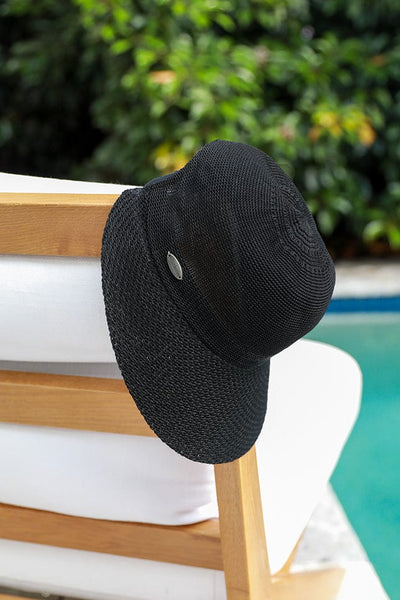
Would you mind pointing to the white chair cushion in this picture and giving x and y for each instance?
(10, 182)
(51, 308)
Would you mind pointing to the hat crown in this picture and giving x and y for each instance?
(256, 273)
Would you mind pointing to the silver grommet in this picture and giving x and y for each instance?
(174, 266)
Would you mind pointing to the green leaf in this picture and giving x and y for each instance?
(393, 233)
(326, 221)
(374, 230)
(225, 21)
(120, 46)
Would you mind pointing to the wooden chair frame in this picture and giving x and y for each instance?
(72, 225)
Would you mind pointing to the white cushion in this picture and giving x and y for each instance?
(51, 308)
(10, 182)
(103, 476)
(91, 575)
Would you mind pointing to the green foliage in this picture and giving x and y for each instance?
(125, 90)
(49, 76)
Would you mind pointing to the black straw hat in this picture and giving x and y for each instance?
(207, 273)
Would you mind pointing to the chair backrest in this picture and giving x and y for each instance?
(71, 225)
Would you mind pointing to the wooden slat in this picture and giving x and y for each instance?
(323, 584)
(288, 564)
(15, 597)
(53, 224)
(72, 402)
(244, 550)
(196, 545)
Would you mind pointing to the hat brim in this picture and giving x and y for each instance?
(205, 408)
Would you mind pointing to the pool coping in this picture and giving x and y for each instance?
(368, 279)
(329, 540)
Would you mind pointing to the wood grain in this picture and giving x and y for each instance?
(288, 564)
(244, 550)
(73, 402)
(196, 545)
(323, 584)
(53, 224)
(15, 597)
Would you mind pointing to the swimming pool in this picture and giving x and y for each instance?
(367, 478)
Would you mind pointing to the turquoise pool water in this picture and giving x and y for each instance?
(367, 478)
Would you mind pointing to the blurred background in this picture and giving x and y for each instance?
(123, 91)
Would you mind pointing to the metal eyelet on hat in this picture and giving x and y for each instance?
(174, 266)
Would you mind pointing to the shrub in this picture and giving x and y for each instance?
(122, 90)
